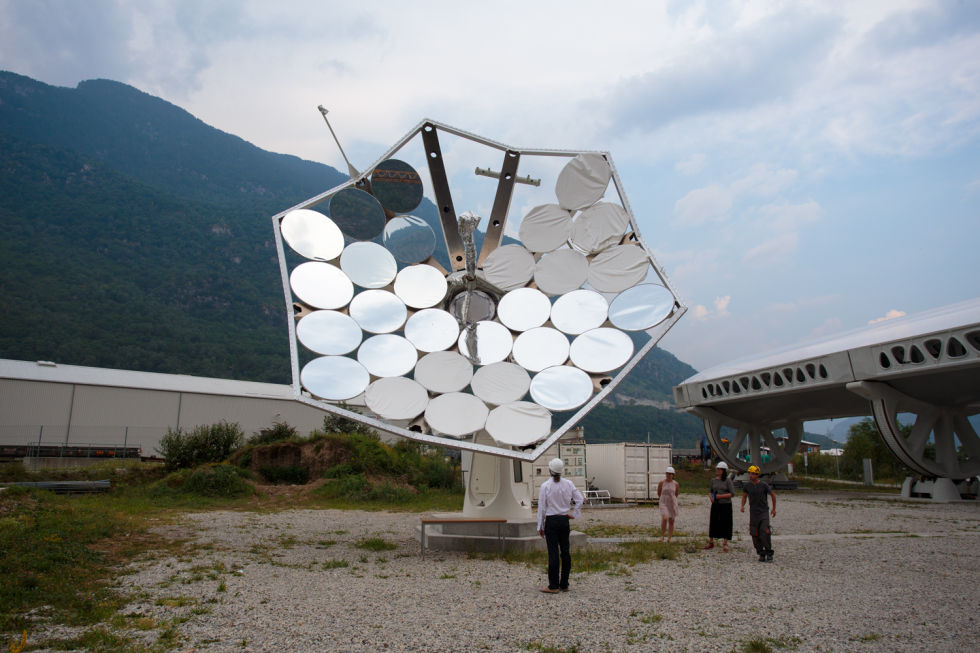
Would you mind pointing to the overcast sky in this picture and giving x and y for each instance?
(799, 168)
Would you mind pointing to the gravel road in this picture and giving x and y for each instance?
(852, 572)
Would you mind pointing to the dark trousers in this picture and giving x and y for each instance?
(556, 532)
(761, 535)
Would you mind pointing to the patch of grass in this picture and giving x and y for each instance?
(176, 601)
(335, 564)
(768, 644)
(536, 645)
(96, 639)
(596, 559)
(870, 637)
(375, 544)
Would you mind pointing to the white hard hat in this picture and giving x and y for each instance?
(722, 465)
(670, 470)
(556, 466)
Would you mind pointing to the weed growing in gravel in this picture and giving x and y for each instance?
(870, 637)
(335, 564)
(375, 544)
(535, 645)
(767, 644)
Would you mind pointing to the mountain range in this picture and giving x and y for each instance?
(138, 237)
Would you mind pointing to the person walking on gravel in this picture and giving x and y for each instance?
(721, 492)
(558, 501)
(667, 495)
(757, 494)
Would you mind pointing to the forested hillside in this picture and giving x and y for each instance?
(138, 237)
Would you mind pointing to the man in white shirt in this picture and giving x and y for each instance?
(558, 501)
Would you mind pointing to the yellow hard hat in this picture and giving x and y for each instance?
(754, 470)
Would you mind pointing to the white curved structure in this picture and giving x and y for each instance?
(927, 364)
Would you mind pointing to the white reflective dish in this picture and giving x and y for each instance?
(397, 186)
(583, 181)
(357, 213)
(599, 227)
(378, 311)
(509, 267)
(545, 228)
(456, 414)
(409, 239)
(493, 343)
(601, 350)
(618, 268)
(519, 423)
(334, 378)
(561, 388)
(500, 383)
(561, 271)
(641, 307)
(421, 286)
(329, 332)
(321, 285)
(432, 329)
(396, 398)
(579, 311)
(523, 309)
(443, 371)
(312, 234)
(387, 355)
(539, 348)
(369, 265)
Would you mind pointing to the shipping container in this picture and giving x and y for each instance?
(630, 471)
(571, 449)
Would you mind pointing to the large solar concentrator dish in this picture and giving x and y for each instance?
(409, 321)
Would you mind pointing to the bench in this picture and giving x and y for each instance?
(425, 521)
(592, 497)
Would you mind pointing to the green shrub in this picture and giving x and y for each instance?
(340, 424)
(205, 444)
(208, 480)
(291, 475)
(279, 432)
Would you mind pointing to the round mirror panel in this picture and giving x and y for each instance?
(357, 213)
(539, 348)
(491, 343)
(312, 234)
(432, 329)
(601, 350)
(579, 311)
(443, 371)
(369, 265)
(545, 228)
(456, 414)
(334, 378)
(583, 181)
(321, 285)
(599, 227)
(500, 383)
(641, 307)
(618, 268)
(387, 355)
(519, 424)
(397, 186)
(421, 286)
(509, 267)
(561, 388)
(409, 239)
(561, 271)
(329, 332)
(396, 398)
(523, 309)
(481, 307)
(378, 311)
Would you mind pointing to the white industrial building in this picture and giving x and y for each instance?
(52, 404)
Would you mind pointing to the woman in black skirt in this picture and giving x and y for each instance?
(722, 490)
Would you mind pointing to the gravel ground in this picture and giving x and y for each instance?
(852, 572)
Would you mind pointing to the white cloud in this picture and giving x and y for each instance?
(700, 312)
(691, 165)
(701, 205)
(772, 251)
(890, 315)
(721, 305)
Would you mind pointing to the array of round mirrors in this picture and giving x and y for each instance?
(386, 333)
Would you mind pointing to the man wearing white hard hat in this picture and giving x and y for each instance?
(558, 501)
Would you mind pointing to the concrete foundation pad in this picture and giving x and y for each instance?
(515, 535)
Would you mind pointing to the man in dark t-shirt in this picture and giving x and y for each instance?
(757, 494)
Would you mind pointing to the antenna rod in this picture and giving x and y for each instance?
(351, 169)
(487, 172)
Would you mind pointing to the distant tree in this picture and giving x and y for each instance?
(864, 441)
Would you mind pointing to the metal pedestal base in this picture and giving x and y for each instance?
(515, 535)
